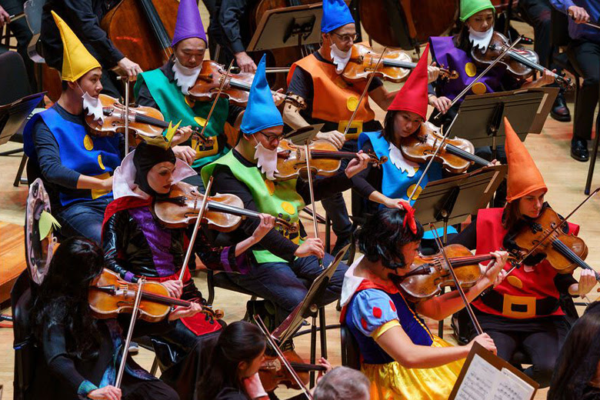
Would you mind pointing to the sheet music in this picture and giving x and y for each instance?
(484, 381)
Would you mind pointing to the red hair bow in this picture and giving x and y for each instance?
(409, 218)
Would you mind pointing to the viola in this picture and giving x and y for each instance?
(224, 212)
(273, 373)
(520, 63)
(143, 121)
(564, 251)
(236, 88)
(429, 274)
(456, 155)
(325, 159)
(110, 296)
(395, 65)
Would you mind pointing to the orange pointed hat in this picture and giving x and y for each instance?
(413, 95)
(523, 175)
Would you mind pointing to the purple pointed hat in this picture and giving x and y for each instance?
(189, 24)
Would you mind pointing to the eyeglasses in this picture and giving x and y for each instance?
(272, 138)
(346, 37)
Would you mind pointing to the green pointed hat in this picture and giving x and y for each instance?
(468, 8)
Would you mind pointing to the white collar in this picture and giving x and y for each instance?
(351, 283)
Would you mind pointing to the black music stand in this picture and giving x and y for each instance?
(304, 135)
(451, 200)
(480, 117)
(14, 115)
(287, 27)
(588, 182)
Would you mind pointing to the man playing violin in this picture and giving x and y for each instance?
(317, 93)
(527, 310)
(399, 354)
(281, 259)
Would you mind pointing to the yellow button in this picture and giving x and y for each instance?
(479, 88)
(352, 103)
(189, 101)
(410, 190)
(100, 163)
(288, 208)
(516, 282)
(88, 143)
(270, 186)
(200, 121)
(470, 69)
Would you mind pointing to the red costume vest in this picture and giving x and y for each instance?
(522, 294)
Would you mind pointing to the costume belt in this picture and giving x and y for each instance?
(520, 306)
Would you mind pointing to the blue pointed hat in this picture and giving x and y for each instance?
(261, 112)
(335, 14)
(189, 24)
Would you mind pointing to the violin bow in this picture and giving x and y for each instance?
(456, 282)
(261, 325)
(364, 92)
(134, 314)
(214, 104)
(126, 80)
(551, 232)
(481, 75)
(188, 253)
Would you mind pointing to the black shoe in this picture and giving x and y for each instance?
(560, 111)
(339, 245)
(579, 150)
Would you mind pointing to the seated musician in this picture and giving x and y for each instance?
(84, 16)
(81, 353)
(524, 311)
(317, 93)
(399, 354)
(281, 258)
(137, 244)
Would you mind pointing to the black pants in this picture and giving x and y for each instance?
(542, 347)
(585, 57)
(22, 33)
(538, 14)
(137, 389)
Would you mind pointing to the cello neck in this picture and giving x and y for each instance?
(157, 26)
(457, 151)
(566, 252)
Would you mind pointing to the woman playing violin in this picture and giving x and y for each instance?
(524, 311)
(400, 356)
(79, 350)
(137, 244)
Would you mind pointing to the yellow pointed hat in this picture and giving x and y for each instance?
(77, 60)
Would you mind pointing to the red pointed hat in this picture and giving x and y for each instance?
(413, 95)
(523, 175)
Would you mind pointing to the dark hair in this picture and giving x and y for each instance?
(62, 298)
(239, 341)
(511, 215)
(388, 126)
(578, 359)
(461, 38)
(383, 235)
(343, 383)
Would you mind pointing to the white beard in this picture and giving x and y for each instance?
(267, 161)
(481, 39)
(93, 107)
(185, 77)
(398, 160)
(340, 58)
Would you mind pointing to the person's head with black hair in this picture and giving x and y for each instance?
(343, 383)
(391, 237)
(577, 368)
(154, 167)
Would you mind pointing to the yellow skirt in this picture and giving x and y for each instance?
(393, 381)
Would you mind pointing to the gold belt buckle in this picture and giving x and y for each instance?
(356, 127)
(508, 307)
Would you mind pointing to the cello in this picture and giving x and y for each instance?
(135, 24)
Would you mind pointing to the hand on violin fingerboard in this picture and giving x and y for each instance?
(185, 312)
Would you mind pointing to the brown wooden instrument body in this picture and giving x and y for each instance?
(559, 247)
(497, 45)
(421, 146)
(273, 373)
(237, 88)
(429, 274)
(133, 34)
(364, 60)
(419, 20)
(502, 5)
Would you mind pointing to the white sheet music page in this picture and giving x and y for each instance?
(478, 380)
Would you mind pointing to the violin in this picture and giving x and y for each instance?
(273, 373)
(520, 63)
(394, 66)
(110, 296)
(143, 121)
(236, 89)
(564, 251)
(224, 212)
(456, 155)
(325, 159)
(429, 274)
